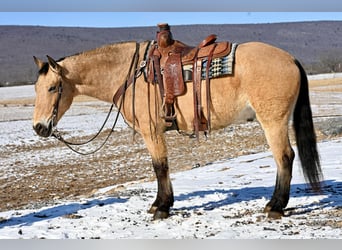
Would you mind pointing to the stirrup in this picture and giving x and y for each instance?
(165, 116)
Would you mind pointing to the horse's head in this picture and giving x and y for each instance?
(53, 96)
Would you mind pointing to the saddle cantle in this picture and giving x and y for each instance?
(219, 49)
(166, 60)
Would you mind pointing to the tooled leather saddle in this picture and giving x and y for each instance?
(166, 60)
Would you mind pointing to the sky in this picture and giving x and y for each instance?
(174, 5)
(139, 19)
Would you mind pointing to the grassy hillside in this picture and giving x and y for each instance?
(311, 42)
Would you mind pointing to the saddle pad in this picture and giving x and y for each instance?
(219, 66)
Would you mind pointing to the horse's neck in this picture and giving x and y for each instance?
(99, 73)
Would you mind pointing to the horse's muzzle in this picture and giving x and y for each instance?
(43, 130)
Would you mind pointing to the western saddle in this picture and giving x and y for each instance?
(166, 59)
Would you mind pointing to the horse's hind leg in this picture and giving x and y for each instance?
(278, 140)
(157, 148)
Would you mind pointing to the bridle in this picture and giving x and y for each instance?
(130, 80)
(56, 106)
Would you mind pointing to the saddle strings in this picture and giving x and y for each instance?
(134, 65)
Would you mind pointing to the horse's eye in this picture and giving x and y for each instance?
(52, 89)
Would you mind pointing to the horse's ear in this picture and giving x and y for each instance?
(54, 65)
(39, 62)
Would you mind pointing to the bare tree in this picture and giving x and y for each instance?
(331, 61)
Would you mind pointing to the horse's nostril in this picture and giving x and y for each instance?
(42, 130)
(38, 127)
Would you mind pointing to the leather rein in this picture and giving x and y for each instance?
(130, 80)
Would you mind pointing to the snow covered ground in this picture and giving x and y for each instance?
(224, 199)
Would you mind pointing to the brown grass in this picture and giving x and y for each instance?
(333, 85)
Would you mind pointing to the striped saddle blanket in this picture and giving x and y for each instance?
(219, 66)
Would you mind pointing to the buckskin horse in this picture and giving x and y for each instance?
(269, 80)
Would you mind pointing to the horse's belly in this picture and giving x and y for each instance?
(223, 112)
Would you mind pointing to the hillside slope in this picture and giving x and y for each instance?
(308, 41)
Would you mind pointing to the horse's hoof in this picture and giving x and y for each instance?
(158, 215)
(273, 211)
(267, 209)
(275, 215)
(152, 210)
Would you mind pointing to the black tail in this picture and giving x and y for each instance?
(305, 134)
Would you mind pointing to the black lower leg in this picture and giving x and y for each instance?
(161, 206)
(281, 195)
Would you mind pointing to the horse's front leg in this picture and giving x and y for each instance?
(157, 148)
(161, 206)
